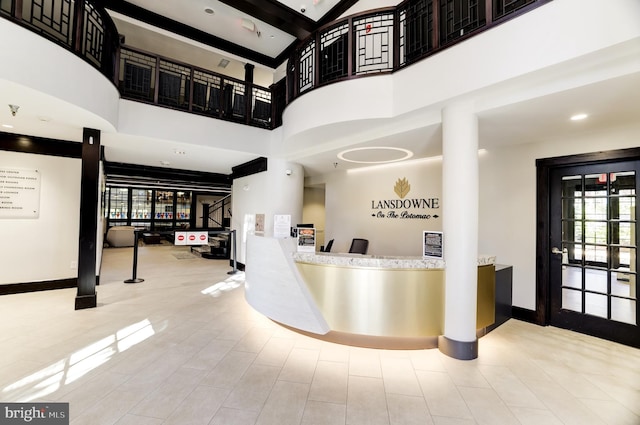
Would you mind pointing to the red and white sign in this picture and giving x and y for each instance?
(191, 238)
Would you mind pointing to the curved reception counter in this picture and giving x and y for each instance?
(383, 302)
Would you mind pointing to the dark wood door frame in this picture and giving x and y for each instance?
(543, 216)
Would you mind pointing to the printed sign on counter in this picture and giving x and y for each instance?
(306, 239)
(191, 238)
(19, 193)
(432, 245)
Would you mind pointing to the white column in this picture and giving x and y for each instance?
(460, 227)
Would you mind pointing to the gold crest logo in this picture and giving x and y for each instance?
(402, 187)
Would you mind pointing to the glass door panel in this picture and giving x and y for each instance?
(598, 245)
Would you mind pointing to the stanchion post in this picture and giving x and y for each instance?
(134, 279)
(233, 242)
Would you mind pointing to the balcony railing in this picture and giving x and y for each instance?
(374, 42)
(386, 40)
(78, 26)
(146, 77)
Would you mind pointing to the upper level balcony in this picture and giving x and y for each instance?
(375, 42)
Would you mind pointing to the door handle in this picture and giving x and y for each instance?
(555, 250)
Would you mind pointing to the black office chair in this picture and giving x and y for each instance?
(359, 246)
(328, 247)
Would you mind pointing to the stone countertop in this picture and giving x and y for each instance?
(378, 261)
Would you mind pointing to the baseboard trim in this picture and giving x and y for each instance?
(525, 315)
(19, 288)
(460, 350)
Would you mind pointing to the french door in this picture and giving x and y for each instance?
(593, 254)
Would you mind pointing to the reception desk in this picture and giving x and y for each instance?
(387, 302)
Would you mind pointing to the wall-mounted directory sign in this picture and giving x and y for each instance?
(432, 245)
(19, 193)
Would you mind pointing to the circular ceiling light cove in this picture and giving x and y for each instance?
(375, 155)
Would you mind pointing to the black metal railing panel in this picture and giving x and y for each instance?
(306, 66)
(50, 17)
(503, 8)
(373, 43)
(460, 17)
(416, 27)
(207, 93)
(6, 7)
(333, 53)
(137, 75)
(77, 25)
(181, 86)
(94, 40)
(173, 80)
(261, 108)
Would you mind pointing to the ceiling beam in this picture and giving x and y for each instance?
(277, 15)
(156, 20)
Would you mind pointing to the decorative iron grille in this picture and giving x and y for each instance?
(333, 53)
(505, 7)
(172, 81)
(373, 37)
(51, 18)
(459, 17)
(416, 26)
(261, 108)
(94, 33)
(5, 7)
(306, 62)
(137, 75)
(207, 93)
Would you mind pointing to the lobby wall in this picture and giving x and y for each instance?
(43, 248)
(508, 199)
(351, 196)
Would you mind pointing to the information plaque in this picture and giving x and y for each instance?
(19, 193)
(432, 244)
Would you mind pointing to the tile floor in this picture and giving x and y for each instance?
(183, 347)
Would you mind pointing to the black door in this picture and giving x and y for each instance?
(593, 250)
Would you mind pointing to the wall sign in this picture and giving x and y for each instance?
(19, 193)
(405, 208)
(191, 238)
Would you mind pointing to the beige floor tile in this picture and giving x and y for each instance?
(366, 401)
(183, 347)
(300, 366)
(254, 388)
(442, 396)
(229, 370)
(408, 410)
(285, 405)
(226, 416)
(330, 382)
(399, 377)
(321, 413)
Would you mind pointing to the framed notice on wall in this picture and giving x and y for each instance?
(19, 193)
(432, 245)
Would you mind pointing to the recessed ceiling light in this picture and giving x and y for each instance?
(209, 11)
(179, 152)
(164, 163)
(44, 118)
(578, 117)
(7, 125)
(375, 155)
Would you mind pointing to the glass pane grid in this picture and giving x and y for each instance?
(599, 249)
